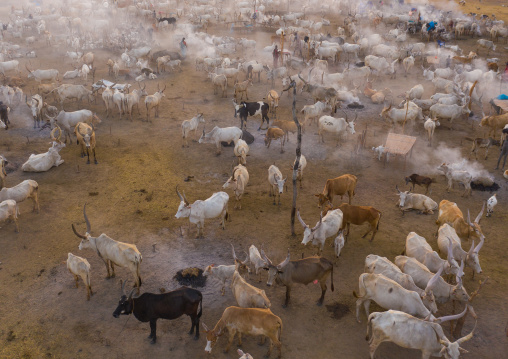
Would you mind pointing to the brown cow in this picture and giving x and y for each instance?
(423, 181)
(357, 215)
(253, 321)
(450, 213)
(495, 123)
(286, 126)
(275, 133)
(338, 186)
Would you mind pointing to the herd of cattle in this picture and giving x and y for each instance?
(410, 287)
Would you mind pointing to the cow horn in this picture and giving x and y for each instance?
(88, 226)
(185, 199)
(77, 234)
(286, 261)
(123, 287)
(434, 279)
(130, 294)
(319, 223)
(471, 250)
(265, 258)
(479, 216)
(301, 220)
(459, 275)
(179, 195)
(52, 134)
(345, 114)
(479, 246)
(164, 88)
(233, 251)
(470, 335)
(447, 318)
(301, 78)
(397, 188)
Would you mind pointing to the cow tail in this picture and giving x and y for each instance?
(279, 331)
(137, 270)
(379, 220)
(369, 325)
(200, 307)
(360, 290)
(331, 281)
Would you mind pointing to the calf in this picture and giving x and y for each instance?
(275, 133)
(358, 215)
(276, 181)
(238, 181)
(85, 135)
(80, 267)
(256, 260)
(191, 125)
(495, 123)
(286, 126)
(423, 181)
(241, 88)
(273, 100)
(218, 135)
(149, 307)
(301, 166)
(483, 143)
(9, 210)
(245, 109)
(224, 273)
(301, 271)
(250, 321)
(339, 186)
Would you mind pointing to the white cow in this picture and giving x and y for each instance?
(456, 175)
(197, 212)
(276, 181)
(44, 161)
(449, 244)
(301, 166)
(79, 267)
(451, 112)
(416, 92)
(418, 248)
(327, 227)
(238, 181)
(22, 191)
(43, 75)
(68, 120)
(430, 126)
(241, 151)
(416, 201)
(191, 125)
(413, 333)
(256, 260)
(218, 135)
(337, 126)
(9, 210)
(313, 112)
(111, 252)
(491, 203)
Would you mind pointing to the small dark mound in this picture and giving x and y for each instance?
(355, 105)
(338, 310)
(480, 187)
(360, 64)
(191, 277)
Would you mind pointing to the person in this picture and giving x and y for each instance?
(431, 26)
(504, 150)
(183, 47)
(298, 45)
(275, 57)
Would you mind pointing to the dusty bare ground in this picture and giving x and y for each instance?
(130, 196)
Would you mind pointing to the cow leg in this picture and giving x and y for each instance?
(370, 230)
(269, 349)
(76, 278)
(288, 297)
(323, 291)
(193, 324)
(232, 333)
(153, 331)
(373, 346)
(107, 268)
(359, 302)
(88, 156)
(239, 339)
(94, 157)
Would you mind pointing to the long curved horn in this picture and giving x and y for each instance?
(451, 317)
(397, 188)
(434, 279)
(123, 287)
(233, 251)
(185, 199)
(344, 114)
(449, 257)
(319, 223)
(286, 261)
(179, 195)
(301, 220)
(479, 216)
(76, 233)
(59, 133)
(301, 78)
(88, 226)
(479, 246)
(470, 335)
(52, 134)
(459, 275)
(265, 258)
(469, 218)
(471, 250)
(130, 294)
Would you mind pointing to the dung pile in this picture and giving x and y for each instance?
(191, 277)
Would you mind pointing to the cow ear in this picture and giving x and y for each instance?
(317, 195)
(205, 327)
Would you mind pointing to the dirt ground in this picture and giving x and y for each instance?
(130, 196)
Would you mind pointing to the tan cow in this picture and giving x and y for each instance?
(286, 126)
(246, 295)
(253, 321)
(275, 133)
(450, 213)
(496, 123)
(358, 215)
(338, 186)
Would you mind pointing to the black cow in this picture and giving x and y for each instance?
(246, 109)
(4, 114)
(149, 307)
(170, 20)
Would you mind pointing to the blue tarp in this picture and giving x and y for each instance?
(502, 97)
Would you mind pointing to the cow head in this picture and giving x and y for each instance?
(244, 355)
(211, 337)
(404, 196)
(474, 230)
(85, 238)
(451, 266)
(350, 124)
(3, 163)
(184, 208)
(274, 270)
(458, 291)
(241, 267)
(237, 107)
(87, 136)
(280, 182)
(126, 303)
(309, 233)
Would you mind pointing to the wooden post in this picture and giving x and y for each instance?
(282, 48)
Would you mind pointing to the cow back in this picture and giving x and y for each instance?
(306, 270)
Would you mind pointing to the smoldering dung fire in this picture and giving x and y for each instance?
(143, 69)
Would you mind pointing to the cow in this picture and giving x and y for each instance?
(420, 202)
(423, 181)
(339, 186)
(68, 120)
(153, 102)
(79, 92)
(418, 248)
(246, 295)
(35, 105)
(42, 162)
(313, 112)
(413, 333)
(241, 151)
(336, 126)
(483, 143)
(449, 244)
(79, 267)
(277, 182)
(85, 136)
(191, 125)
(452, 112)
(495, 123)
(410, 112)
(381, 265)
(241, 88)
(9, 210)
(256, 261)
(487, 44)
(299, 271)
(328, 226)
(43, 75)
(253, 321)
(301, 166)
(149, 307)
(246, 109)
(358, 215)
(197, 212)
(218, 135)
(9, 66)
(22, 191)
(132, 99)
(238, 181)
(225, 272)
(321, 93)
(450, 213)
(443, 292)
(286, 126)
(491, 203)
(389, 294)
(111, 252)
(275, 133)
